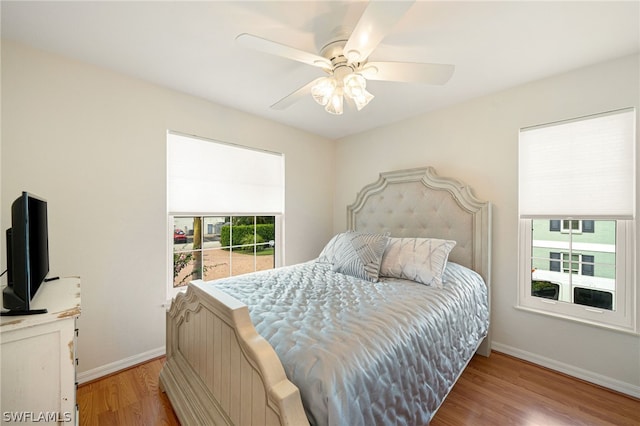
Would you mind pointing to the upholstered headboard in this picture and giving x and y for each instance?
(419, 203)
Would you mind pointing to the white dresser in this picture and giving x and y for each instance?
(38, 356)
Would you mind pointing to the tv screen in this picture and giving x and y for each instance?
(27, 252)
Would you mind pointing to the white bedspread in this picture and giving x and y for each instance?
(366, 353)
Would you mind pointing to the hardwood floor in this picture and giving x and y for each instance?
(128, 398)
(499, 390)
(502, 390)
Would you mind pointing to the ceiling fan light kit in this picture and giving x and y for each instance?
(330, 91)
(345, 60)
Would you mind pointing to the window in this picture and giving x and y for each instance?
(573, 259)
(577, 210)
(213, 247)
(225, 207)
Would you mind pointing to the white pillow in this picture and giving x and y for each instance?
(355, 253)
(417, 259)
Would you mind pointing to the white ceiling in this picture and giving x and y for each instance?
(189, 47)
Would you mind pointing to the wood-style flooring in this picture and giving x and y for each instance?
(499, 390)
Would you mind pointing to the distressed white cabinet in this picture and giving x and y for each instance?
(38, 357)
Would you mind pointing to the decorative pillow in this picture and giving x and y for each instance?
(332, 249)
(418, 259)
(355, 253)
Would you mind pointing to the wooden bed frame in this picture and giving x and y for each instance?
(220, 371)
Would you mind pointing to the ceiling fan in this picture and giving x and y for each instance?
(345, 59)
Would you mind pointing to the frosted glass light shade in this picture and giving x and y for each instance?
(355, 88)
(583, 168)
(354, 85)
(323, 90)
(362, 100)
(335, 105)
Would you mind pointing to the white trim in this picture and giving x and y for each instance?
(571, 370)
(123, 364)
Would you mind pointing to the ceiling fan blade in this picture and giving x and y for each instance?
(375, 23)
(294, 97)
(408, 72)
(267, 46)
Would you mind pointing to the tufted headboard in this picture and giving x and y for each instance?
(419, 203)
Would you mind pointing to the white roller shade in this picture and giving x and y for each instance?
(583, 168)
(206, 176)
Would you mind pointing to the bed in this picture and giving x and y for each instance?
(329, 341)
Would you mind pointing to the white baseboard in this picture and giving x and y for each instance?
(586, 375)
(96, 373)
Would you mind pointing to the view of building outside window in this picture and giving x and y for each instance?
(574, 261)
(212, 247)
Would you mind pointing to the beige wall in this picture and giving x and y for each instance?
(93, 142)
(477, 142)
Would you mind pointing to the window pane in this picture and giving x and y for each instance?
(214, 247)
(266, 230)
(211, 230)
(182, 233)
(243, 230)
(548, 260)
(242, 261)
(216, 264)
(265, 256)
(563, 262)
(185, 268)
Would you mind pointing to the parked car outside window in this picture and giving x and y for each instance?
(179, 236)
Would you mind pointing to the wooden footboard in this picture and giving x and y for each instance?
(219, 370)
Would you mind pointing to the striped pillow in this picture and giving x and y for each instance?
(359, 254)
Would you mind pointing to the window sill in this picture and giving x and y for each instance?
(624, 330)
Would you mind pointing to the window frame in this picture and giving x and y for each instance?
(262, 192)
(278, 253)
(565, 187)
(624, 318)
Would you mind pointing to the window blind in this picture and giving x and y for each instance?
(205, 176)
(582, 168)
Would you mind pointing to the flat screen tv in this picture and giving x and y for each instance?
(27, 254)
